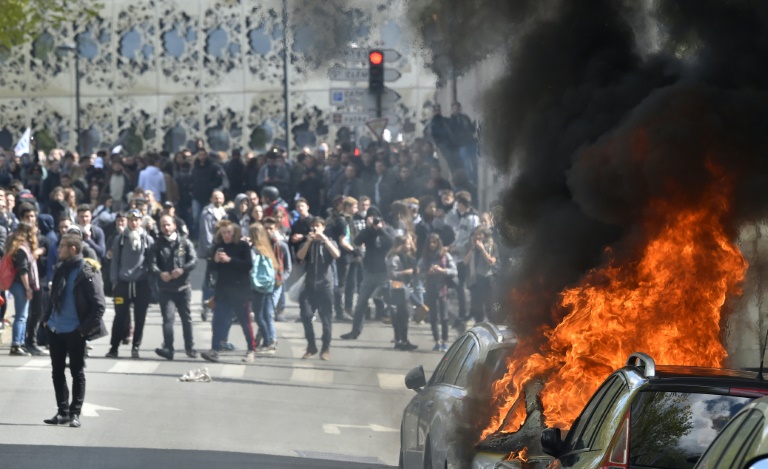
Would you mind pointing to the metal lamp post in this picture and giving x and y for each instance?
(72, 48)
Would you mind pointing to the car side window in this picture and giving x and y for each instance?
(457, 361)
(587, 424)
(463, 379)
(437, 376)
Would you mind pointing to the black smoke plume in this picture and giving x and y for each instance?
(605, 106)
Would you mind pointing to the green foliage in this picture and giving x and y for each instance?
(666, 418)
(259, 138)
(45, 141)
(22, 20)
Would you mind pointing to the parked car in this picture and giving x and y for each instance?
(649, 416)
(428, 418)
(743, 443)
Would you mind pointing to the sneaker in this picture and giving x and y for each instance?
(18, 351)
(280, 317)
(204, 315)
(406, 346)
(191, 353)
(343, 318)
(111, 354)
(74, 421)
(267, 350)
(211, 356)
(250, 356)
(228, 346)
(350, 335)
(165, 353)
(135, 353)
(443, 348)
(36, 351)
(436, 348)
(325, 355)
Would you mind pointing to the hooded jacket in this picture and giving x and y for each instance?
(129, 264)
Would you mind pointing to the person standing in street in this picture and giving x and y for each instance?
(231, 260)
(130, 280)
(210, 216)
(74, 315)
(39, 300)
(172, 259)
(22, 247)
(318, 253)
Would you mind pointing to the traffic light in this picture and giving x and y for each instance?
(376, 71)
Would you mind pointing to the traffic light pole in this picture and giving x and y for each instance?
(378, 103)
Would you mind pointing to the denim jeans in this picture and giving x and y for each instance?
(222, 321)
(468, 155)
(21, 304)
(197, 209)
(264, 312)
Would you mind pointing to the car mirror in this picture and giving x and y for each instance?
(415, 379)
(551, 441)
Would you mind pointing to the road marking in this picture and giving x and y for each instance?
(232, 371)
(35, 364)
(134, 367)
(92, 410)
(391, 381)
(311, 375)
(335, 428)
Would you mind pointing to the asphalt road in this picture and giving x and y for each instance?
(280, 411)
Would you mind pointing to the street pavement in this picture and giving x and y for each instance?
(280, 411)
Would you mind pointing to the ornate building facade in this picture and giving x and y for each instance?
(158, 74)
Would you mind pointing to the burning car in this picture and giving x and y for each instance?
(644, 415)
(428, 420)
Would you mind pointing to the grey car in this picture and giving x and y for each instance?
(428, 418)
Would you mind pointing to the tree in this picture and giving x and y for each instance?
(22, 20)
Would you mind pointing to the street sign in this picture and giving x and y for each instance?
(337, 73)
(355, 119)
(361, 97)
(377, 126)
(361, 55)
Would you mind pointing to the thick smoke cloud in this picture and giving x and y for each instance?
(598, 119)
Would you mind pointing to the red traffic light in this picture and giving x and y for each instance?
(376, 57)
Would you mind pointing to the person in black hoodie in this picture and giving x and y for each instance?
(236, 174)
(73, 316)
(172, 259)
(207, 176)
(377, 239)
(230, 258)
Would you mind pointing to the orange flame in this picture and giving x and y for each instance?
(665, 300)
(521, 455)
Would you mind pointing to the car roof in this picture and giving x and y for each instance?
(701, 376)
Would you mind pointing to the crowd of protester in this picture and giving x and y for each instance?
(333, 228)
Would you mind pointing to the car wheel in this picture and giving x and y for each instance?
(427, 455)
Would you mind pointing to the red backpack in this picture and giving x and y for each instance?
(7, 272)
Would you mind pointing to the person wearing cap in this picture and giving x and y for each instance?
(130, 280)
(170, 209)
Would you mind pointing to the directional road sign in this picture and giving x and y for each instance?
(337, 73)
(361, 55)
(361, 97)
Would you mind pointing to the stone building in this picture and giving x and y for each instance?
(158, 74)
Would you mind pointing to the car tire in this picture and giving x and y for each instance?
(428, 454)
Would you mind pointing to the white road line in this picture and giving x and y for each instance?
(391, 381)
(134, 367)
(311, 375)
(35, 364)
(232, 371)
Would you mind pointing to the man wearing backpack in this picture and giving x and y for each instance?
(318, 253)
(283, 267)
(128, 273)
(172, 259)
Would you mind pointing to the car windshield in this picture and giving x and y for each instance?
(673, 429)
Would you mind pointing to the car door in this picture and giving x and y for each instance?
(579, 446)
(448, 394)
(419, 413)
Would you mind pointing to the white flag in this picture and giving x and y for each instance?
(23, 145)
